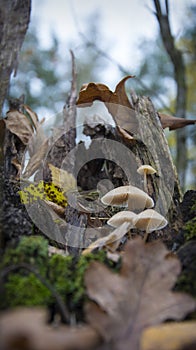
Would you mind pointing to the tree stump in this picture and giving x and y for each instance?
(111, 160)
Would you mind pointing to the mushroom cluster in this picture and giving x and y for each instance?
(135, 200)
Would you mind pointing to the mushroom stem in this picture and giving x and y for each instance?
(145, 182)
(145, 236)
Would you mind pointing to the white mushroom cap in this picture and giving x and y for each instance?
(130, 196)
(146, 169)
(120, 217)
(149, 220)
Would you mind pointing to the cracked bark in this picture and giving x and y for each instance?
(14, 20)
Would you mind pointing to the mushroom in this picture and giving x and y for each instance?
(120, 217)
(149, 220)
(146, 170)
(130, 196)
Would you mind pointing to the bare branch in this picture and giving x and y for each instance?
(70, 108)
(167, 7)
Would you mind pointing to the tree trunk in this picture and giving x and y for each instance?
(180, 78)
(14, 20)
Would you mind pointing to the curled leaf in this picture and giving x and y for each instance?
(116, 102)
(173, 123)
(110, 241)
(36, 160)
(17, 123)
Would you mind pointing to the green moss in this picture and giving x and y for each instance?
(64, 273)
(24, 291)
(60, 273)
(190, 230)
(31, 250)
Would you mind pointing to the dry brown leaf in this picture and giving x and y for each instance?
(56, 208)
(36, 160)
(28, 329)
(18, 124)
(173, 123)
(110, 241)
(170, 336)
(36, 141)
(116, 102)
(17, 165)
(124, 304)
(33, 116)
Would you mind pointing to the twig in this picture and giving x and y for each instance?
(70, 108)
(61, 305)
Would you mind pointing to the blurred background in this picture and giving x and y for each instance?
(111, 39)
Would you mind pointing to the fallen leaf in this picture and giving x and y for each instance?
(36, 141)
(17, 123)
(36, 160)
(124, 304)
(17, 165)
(32, 115)
(27, 329)
(58, 209)
(116, 102)
(173, 123)
(61, 178)
(110, 241)
(170, 336)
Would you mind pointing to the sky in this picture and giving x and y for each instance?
(124, 23)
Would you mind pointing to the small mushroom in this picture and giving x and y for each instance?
(129, 196)
(120, 217)
(149, 220)
(146, 170)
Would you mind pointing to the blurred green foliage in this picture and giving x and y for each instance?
(64, 273)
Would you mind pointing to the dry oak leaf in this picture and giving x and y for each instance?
(173, 123)
(27, 329)
(17, 123)
(116, 102)
(124, 304)
(170, 336)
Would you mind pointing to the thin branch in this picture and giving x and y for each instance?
(158, 8)
(62, 308)
(69, 110)
(73, 95)
(167, 7)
